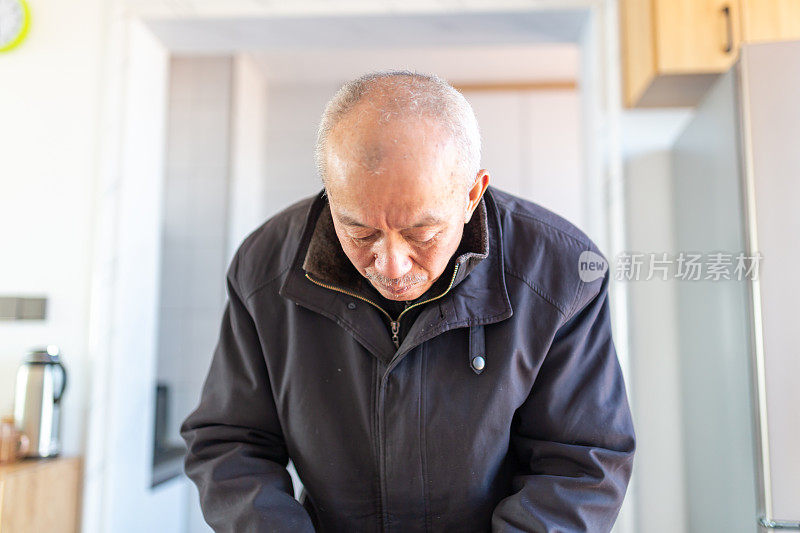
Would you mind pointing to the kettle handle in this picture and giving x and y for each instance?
(23, 445)
(57, 399)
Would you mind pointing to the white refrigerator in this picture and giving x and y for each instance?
(736, 179)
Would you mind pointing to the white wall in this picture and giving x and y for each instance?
(654, 351)
(248, 155)
(658, 473)
(194, 233)
(272, 163)
(532, 146)
(117, 482)
(49, 92)
(293, 113)
(194, 239)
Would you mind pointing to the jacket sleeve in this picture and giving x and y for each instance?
(573, 436)
(236, 450)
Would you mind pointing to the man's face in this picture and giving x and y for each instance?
(398, 201)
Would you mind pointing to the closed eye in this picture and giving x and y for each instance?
(363, 239)
(425, 241)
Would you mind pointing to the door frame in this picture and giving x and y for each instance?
(125, 281)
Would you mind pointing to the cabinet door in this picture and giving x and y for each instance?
(637, 48)
(770, 20)
(696, 36)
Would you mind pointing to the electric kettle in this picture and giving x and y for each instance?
(41, 380)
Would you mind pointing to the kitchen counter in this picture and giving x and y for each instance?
(41, 495)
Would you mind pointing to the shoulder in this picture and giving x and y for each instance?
(548, 253)
(268, 251)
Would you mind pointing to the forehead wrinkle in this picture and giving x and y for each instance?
(428, 218)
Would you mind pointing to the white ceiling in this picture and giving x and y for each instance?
(458, 64)
(229, 35)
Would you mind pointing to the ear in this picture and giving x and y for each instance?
(475, 193)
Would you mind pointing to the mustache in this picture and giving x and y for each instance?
(405, 281)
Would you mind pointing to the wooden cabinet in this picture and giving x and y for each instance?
(770, 20)
(673, 50)
(40, 495)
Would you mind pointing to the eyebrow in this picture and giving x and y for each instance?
(428, 219)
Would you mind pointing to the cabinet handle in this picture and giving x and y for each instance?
(726, 12)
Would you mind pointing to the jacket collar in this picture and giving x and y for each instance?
(478, 299)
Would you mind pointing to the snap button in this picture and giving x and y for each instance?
(478, 362)
(351, 306)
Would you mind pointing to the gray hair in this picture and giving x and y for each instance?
(418, 95)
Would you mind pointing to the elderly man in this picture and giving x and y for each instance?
(422, 346)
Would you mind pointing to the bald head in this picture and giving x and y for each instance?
(374, 115)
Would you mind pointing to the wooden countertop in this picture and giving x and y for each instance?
(41, 495)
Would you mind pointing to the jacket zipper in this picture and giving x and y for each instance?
(395, 324)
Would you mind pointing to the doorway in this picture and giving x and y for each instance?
(253, 87)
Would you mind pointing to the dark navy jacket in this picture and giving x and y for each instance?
(419, 437)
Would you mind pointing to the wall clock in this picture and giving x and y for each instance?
(15, 18)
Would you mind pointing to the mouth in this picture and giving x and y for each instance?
(396, 290)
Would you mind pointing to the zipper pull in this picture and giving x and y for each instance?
(395, 333)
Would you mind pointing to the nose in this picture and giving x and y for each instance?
(392, 261)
